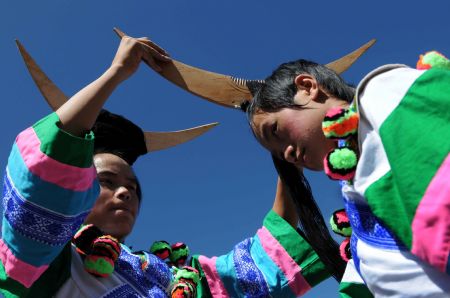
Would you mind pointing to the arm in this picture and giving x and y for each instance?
(78, 115)
(50, 182)
(277, 261)
(284, 206)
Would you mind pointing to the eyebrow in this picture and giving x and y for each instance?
(109, 173)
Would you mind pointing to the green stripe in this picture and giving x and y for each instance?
(47, 285)
(62, 146)
(202, 288)
(354, 290)
(416, 138)
(298, 248)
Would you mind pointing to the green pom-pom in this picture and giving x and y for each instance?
(180, 253)
(436, 59)
(187, 273)
(344, 158)
(99, 265)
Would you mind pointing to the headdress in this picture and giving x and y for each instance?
(113, 133)
(226, 90)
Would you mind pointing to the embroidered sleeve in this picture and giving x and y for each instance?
(276, 262)
(49, 187)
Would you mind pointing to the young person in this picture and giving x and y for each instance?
(394, 160)
(60, 174)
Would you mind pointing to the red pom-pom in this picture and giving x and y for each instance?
(344, 250)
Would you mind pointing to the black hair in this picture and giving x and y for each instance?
(311, 222)
(279, 89)
(277, 92)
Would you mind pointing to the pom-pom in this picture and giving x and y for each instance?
(99, 265)
(104, 252)
(340, 223)
(344, 250)
(340, 163)
(161, 249)
(84, 238)
(340, 123)
(179, 255)
(433, 59)
(186, 281)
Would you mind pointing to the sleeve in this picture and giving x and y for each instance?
(352, 285)
(276, 262)
(49, 188)
(405, 143)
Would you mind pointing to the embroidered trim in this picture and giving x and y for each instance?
(122, 291)
(37, 223)
(249, 277)
(369, 228)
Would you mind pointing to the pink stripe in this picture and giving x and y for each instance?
(18, 270)
(431, 224)
(65, 176)
(281, 257)
(212, 276)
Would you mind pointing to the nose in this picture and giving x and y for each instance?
(290, 154)
(123, 193)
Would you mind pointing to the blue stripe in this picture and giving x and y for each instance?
(369, 228)
(45, 194)
(250, 279)
(36, 223)
(275, 278)
(28, 250)
(227, 273)
(149, 281)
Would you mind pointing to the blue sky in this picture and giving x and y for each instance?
(214, 191)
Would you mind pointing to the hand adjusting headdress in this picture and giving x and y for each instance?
(113, 133)
(226, 90)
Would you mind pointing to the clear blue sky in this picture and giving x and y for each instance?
(214, 191)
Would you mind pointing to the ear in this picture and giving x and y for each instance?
(307, 87)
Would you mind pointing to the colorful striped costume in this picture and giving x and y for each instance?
(50, 186)
(399, 203)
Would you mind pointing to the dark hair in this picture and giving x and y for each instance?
(311, 222)
(279, 89)
(278, 92)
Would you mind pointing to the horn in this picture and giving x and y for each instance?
(56, 98)
(226, 90)
(52, 94)
(162, 140)
(344, 63)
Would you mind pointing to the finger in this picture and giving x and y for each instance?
(154, 45)
(150, 61)
(119, 32)
(156, 55)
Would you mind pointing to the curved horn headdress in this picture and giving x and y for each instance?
(227, 90)
(56, 98)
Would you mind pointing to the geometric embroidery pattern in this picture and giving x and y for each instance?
(37, 223)
(129, 267)
(122, 291)
(250, 279)
(369, 228)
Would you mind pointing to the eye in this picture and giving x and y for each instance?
(275, 129)
(106, 182)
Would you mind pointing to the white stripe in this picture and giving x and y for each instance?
(351, 275)
(393, 273)
(379, 93)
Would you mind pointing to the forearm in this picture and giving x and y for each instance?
(284, 206)
(78, 115)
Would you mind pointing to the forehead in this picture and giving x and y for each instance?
(107, 162)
